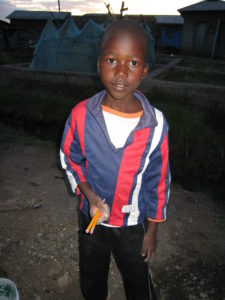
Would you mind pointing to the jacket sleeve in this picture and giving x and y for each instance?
(71, 151)
(157, 176)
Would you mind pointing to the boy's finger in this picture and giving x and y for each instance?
(144, 252)
(148, 256)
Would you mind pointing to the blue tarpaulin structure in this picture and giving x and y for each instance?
(68, 48)
(42, 56)
(74, 50)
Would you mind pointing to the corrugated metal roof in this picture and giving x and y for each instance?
(38, 15)
(170, 20)
(208, 5)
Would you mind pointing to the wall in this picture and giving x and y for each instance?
(199, 33)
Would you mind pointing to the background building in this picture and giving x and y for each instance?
(169, 32)
(204, 29)
(30, 24)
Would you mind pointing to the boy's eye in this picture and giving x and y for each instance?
(111, 61)
(133, 63)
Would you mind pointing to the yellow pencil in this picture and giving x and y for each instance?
(93, 222)
(90, 224)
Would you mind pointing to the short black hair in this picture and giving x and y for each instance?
(125, 25)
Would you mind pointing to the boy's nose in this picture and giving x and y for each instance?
(121, 71)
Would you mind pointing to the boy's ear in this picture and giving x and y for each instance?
(145, 72)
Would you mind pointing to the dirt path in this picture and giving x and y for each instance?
(38, 247)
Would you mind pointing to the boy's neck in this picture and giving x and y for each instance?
(133, 106)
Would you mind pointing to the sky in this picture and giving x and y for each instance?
(80, 7)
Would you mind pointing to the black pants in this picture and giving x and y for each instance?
(125, 244)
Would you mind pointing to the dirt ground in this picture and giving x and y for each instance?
(38, 246)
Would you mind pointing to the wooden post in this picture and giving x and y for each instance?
(111, 14)
(123, 9)
(215, 38)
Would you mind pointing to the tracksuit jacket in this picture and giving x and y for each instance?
(134, 180)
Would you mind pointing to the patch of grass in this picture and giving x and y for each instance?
(40, 108)
(9, 135)
(8, 57)
(197, 141)
(40, 101)
(193, 76)
(203, 64)
(162, 59)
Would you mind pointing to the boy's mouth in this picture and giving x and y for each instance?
(119, 86)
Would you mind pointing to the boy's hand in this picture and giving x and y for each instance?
(95, 202)
(149, 242)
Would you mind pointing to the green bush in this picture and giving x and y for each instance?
(194, 76)
(41, 107)
(197, 140)
(15, 56)
(203, 64)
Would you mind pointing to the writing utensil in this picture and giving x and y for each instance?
(93, 221)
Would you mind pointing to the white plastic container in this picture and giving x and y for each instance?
(8, 290)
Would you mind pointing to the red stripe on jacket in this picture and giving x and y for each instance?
(162, 182)
(130, 164)
(69, 138)
(81, 124)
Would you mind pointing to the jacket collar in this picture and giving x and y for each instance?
(148, 118)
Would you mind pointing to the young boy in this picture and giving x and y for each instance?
(115, 147)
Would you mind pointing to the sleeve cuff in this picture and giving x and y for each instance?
(156, 221)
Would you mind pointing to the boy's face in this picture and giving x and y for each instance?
(122, 64)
